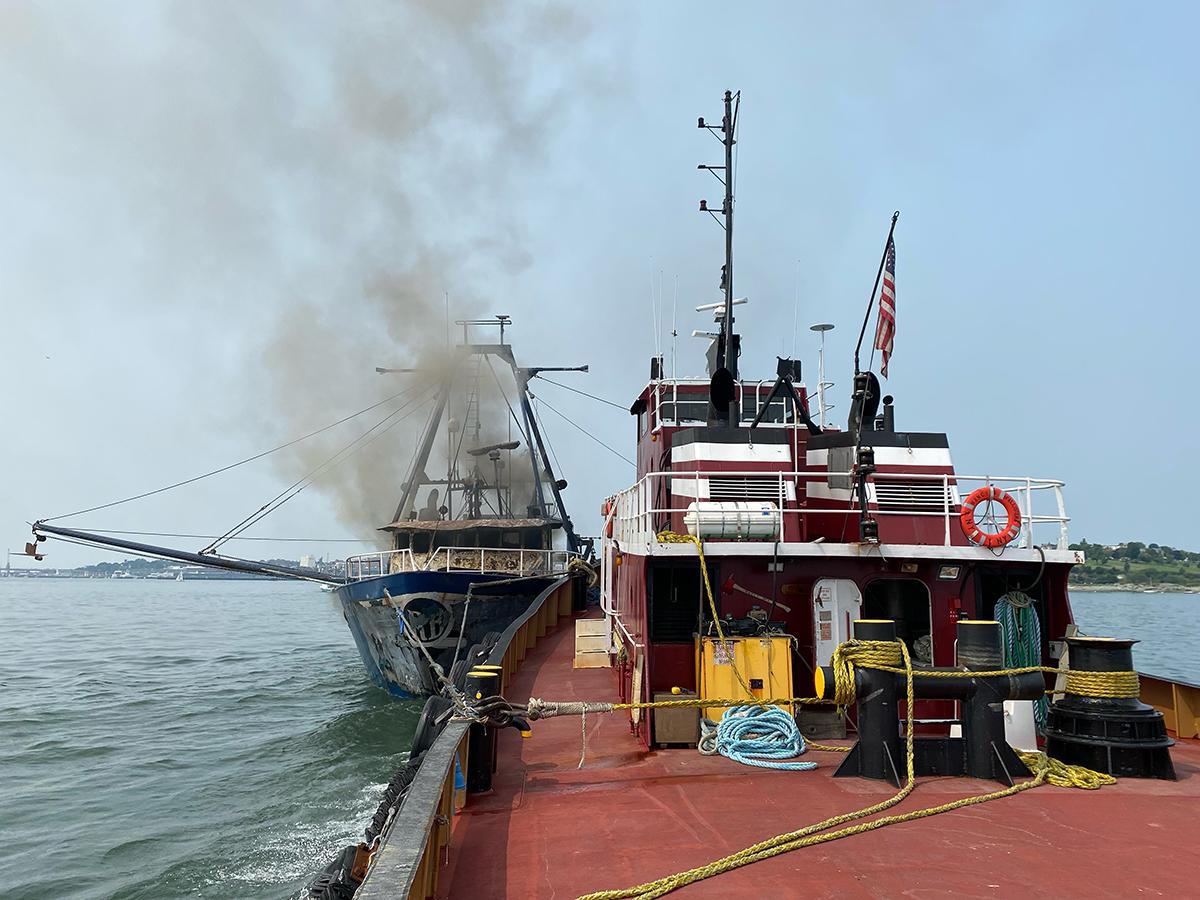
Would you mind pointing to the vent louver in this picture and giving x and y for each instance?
(914, 495)
(744, 488)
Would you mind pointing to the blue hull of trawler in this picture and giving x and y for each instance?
(390, 658)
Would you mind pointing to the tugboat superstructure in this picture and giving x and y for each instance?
(806, 528)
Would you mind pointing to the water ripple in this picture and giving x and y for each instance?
(184, 739)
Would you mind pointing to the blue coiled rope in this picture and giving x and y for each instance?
(1022, 640)
(756, 736)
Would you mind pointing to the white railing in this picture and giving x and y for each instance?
(635, 515)
(666, 391)
(493, 560)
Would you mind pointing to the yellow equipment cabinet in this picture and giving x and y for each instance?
(764, 662)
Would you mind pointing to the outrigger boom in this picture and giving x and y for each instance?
(41, 529)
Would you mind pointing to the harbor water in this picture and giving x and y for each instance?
(220, 739)
(183, 739)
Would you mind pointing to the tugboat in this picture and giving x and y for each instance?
(758, 554)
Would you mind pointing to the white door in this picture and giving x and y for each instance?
(837, 602)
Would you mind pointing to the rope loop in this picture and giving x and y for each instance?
(755, 736)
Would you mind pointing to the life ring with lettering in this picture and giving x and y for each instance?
(989, 539)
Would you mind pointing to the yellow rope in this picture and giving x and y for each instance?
(666, 536)
(1044, 770)
(871, 654)
(1103, 684)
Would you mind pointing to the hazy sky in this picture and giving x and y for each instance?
(219, 220)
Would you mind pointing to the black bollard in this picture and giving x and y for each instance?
(981, 752)
(1118, 735)
(879, 751)
(481, 742)
(987, 753)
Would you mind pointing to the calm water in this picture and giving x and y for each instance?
(193, 739)
(219, 739)
(1168, 626)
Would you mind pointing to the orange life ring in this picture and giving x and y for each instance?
(605, 509)
(1012, 527)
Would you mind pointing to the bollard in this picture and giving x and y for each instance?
(981, 752)
(1118, 735)
(481, 741)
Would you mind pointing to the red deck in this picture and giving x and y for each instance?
(550, 829)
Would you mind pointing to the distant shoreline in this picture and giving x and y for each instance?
(1133, 588)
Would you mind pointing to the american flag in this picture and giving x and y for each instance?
(885, 332)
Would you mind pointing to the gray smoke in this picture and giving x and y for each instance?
(321, 177)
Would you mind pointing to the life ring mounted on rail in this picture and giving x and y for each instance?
(606, 510)
(989, 539)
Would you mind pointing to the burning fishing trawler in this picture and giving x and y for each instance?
(770, 580)
(480, 528)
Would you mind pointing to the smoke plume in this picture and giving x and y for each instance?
(333, 182)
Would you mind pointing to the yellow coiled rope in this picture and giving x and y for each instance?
(1103, 684)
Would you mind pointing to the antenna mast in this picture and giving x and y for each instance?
(725, 134)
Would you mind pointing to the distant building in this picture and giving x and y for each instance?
(308, 561)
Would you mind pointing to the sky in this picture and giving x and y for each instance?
(219, 218)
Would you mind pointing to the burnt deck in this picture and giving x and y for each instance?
(550, 829)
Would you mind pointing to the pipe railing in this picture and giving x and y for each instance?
(635, 516)
(495, 560)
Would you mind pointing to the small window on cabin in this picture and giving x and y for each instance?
(690, 408)
(510, 539)
(778, 412)
(642, 419)
(420, 543)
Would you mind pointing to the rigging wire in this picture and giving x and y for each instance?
(588, 434)
(248, 459)
(511, 412)
(541, 424)
(566, 387)
(175, 534)
(296, 487)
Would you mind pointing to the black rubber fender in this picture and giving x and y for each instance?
(429, 725)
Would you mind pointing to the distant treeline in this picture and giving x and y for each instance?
(140, 568)
(1136, 563)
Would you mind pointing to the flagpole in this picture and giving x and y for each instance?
(874, 290)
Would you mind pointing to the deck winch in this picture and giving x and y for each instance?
(1100, 722)
(981, 752)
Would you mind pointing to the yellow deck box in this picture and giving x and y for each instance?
(764, 662)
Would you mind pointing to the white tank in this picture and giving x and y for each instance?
(733, 520)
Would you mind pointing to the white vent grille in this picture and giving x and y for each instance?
(749, 487)
(920, 495)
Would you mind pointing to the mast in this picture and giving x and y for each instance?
(727, 126)
(723, 395)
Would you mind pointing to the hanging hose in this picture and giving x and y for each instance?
(755, 736)
(1022, 640)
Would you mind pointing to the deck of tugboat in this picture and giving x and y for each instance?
(552, 829)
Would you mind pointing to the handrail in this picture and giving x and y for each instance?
(635, 517)
(407, 865)
(529, 561)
